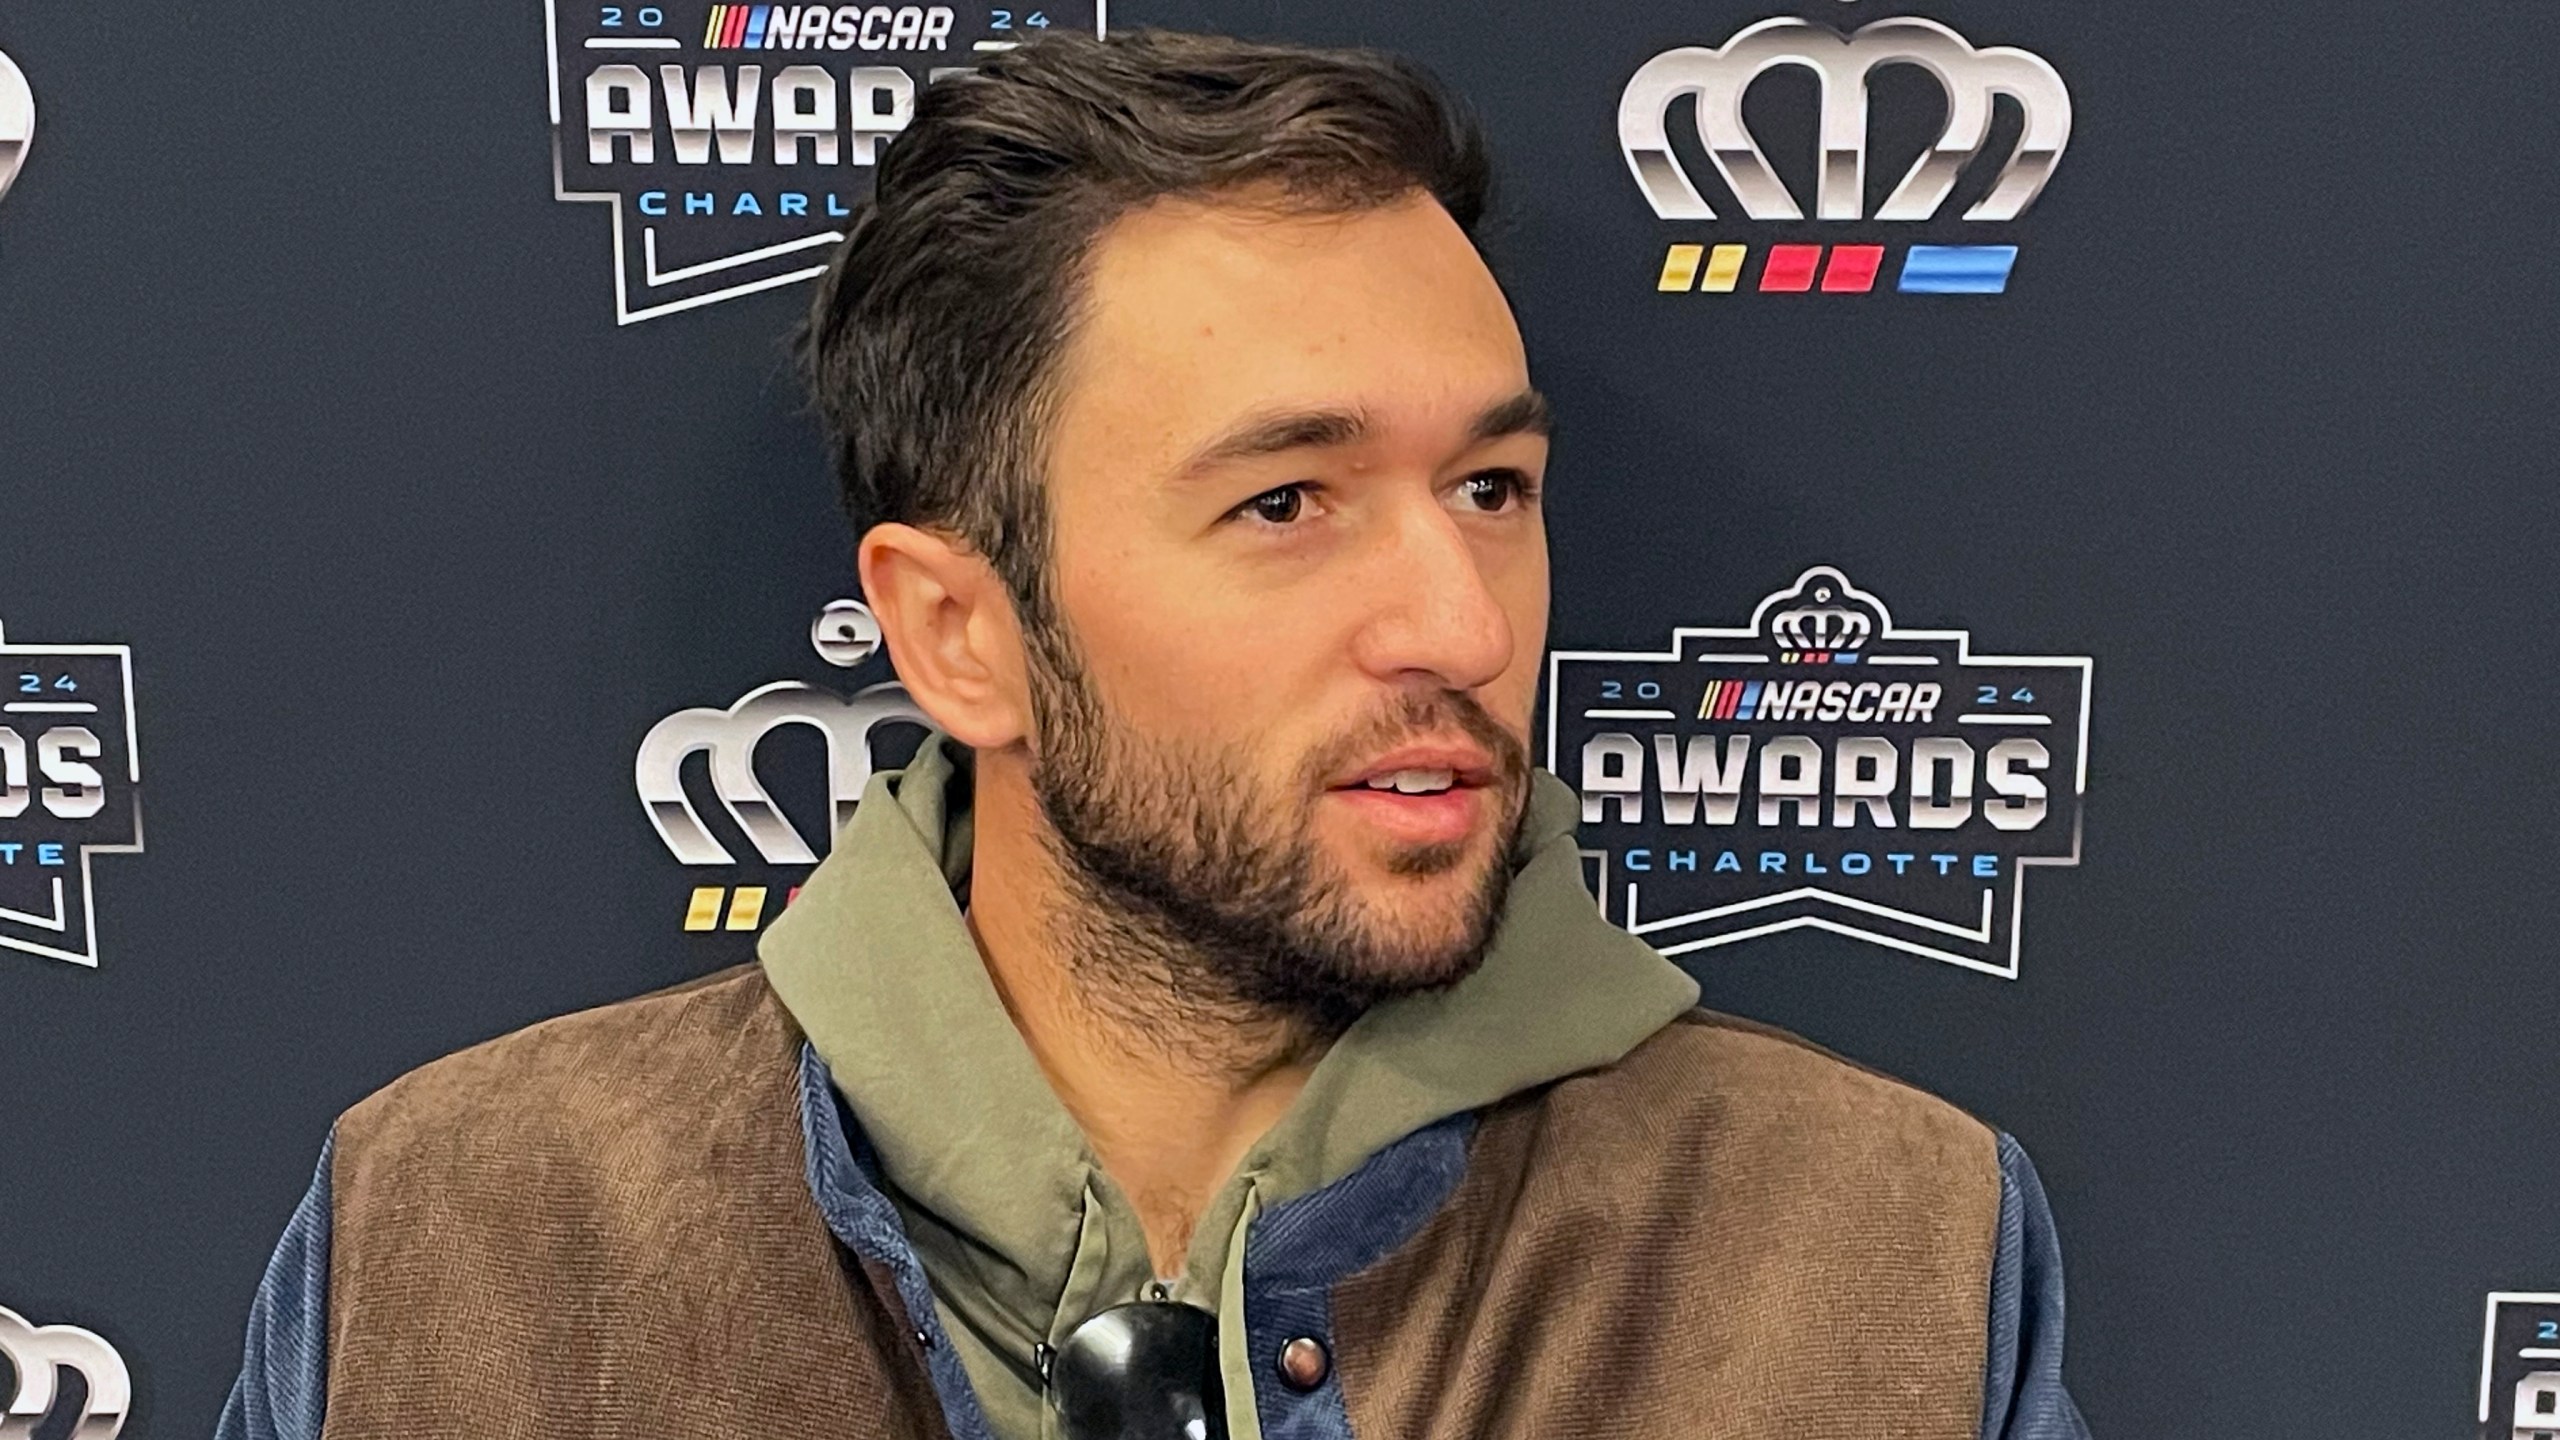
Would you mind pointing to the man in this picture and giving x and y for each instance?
(1208, 1031)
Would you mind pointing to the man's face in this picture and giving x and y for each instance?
(1298, 558)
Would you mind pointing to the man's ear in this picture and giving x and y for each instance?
(951, 632)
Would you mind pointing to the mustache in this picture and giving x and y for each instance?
(1418, 717)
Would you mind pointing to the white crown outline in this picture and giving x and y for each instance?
(37, 1352)
(1842, 64)
(1806, 626)
(731, 736)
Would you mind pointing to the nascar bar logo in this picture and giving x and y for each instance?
(70, 788)
(1820, 769)
(730, 172)
(791, 27)
(2520, 1368)
(37, 1355)
(1844, 69)
(854, 727)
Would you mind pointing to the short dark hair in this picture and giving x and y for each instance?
(932, 342)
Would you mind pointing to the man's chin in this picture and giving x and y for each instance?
(1422, 964)
(1424, 931)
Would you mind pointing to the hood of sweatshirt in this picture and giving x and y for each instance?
(1020, 1230)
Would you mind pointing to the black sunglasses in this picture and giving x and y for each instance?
(1147, 1370)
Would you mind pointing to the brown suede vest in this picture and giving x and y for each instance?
(601, 1227)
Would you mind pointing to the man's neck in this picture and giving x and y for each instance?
(1170, 1091)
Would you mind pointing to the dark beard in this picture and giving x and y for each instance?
(1193, 898)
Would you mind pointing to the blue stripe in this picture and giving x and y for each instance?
(755, 27)
(1957, 269)
(1750, 701)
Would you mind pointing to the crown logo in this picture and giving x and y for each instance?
(1821, 627)
(1823, 619)
(845, 634)
(37, 1354)
(1841, 66)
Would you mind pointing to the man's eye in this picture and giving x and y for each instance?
(1491, 490)
(1279, 507)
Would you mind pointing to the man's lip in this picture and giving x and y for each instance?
(1469, 765)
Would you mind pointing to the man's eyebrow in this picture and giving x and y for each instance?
(1275, 434)
(1278, 433)
(1523, 414)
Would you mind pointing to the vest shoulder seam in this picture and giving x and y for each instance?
(559, 1045)
(1702, 1017)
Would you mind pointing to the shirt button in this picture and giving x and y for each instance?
(1304, 1363)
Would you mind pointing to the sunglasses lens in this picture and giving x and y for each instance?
(1145, 1371)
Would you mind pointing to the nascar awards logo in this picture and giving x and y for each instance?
(17, 121)
(1820, 768)
(2520, 1368)
(1844, 67)
(37, 1356)
(731, 141)
(70, 788)
(855, 728)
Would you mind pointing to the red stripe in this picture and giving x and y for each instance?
(1732, 702)
(1790, 267)
(1853, 268)
(736, 34)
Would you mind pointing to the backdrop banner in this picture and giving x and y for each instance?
(2041, 497)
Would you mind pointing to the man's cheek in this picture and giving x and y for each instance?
(1512, 701)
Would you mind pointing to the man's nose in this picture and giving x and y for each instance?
(1431, 610)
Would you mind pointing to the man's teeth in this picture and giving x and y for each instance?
(1414, 782)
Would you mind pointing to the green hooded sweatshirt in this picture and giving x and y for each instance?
(1020, 1231)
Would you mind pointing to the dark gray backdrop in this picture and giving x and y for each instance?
(311, 393)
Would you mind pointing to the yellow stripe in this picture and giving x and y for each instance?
(748, 908)
(704, 912)
(711, 28)
(1707, 706)
(1680, 268)
(1724, 268)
